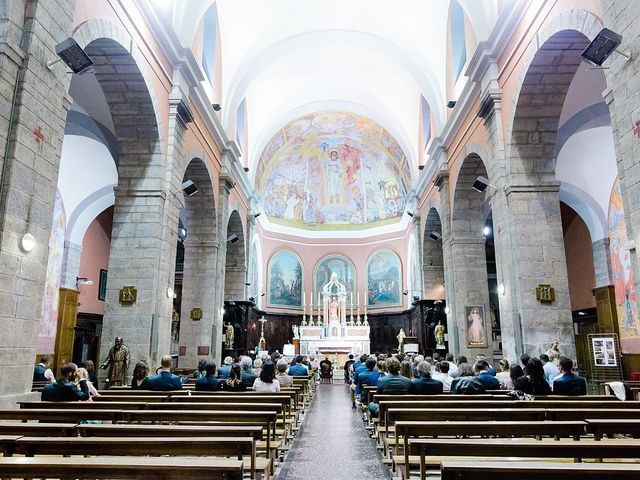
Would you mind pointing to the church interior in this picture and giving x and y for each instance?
(194, 185)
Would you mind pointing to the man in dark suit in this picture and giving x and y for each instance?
(164, 380)
(297, 368)
(65, 390)
(568, 383)
(488, 381)
(424, 384)
(392, 383)
(209, 382)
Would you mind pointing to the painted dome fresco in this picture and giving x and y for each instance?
(333, 170)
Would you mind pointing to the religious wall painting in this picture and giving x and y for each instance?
(476, 326)
(341, 266)
(285, 280)
(384, 280)
(623, 279)
(336, 170)
(50, 300)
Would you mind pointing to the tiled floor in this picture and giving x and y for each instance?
(333, 444)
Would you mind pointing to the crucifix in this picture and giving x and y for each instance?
(262, 343)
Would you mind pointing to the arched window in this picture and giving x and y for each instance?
(458, 38)
(210, 43)
(241, 118)
(425, 111)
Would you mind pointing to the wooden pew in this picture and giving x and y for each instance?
(65, 415)
(410, 429)
(167, 468)
(581, 414)
(7, 444)
(38, 429)
(266, 418)
(141, 446)
(134, 430)
(121, 405)
(600, 427)
(461, 414)
(454, 470)
(520, 447)
(279, 408)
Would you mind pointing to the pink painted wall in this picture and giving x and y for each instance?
(579, 253)
(95, 256)
(358, 250)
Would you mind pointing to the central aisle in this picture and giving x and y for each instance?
(333, 443)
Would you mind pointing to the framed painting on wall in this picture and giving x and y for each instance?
(384, 274)
(285, 280)
(476, 326)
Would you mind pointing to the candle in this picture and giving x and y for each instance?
(304, 301)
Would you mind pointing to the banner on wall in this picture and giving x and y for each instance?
(623, 279)
(49, 314)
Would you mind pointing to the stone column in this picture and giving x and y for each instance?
(225, 186)
(471, 289)
(143, 247)
(71, 264)
(442, 183)
(602, 262)
(199, 281)
(34, 103)
(622, 97)
(534, 234)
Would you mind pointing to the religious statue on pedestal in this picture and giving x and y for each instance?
(438, 332)
(118, 363)
(400, 338)
(229, 335)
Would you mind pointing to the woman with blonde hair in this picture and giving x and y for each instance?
(504, 375)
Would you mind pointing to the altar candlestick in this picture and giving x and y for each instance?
(304, 300)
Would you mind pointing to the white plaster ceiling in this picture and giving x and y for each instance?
(86, 180)
(293, 57)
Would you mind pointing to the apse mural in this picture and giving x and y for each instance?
(333, 170)
(384, 275)
(345, 270)
(285, 280)
(625, 291)
(49, 314)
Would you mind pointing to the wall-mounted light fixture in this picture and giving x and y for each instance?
(602, 46)
(73, 56)
(28, 242)
(189, 188)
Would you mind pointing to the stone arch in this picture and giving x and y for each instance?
(468, 254)
(140, 229)
(468, 206)
(100, 29)
(236, 263)
(200, 257)
(432, 257)
(549, 65)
